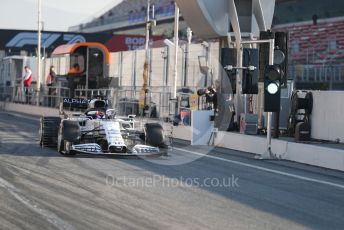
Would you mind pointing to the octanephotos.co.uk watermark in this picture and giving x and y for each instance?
(163, 181)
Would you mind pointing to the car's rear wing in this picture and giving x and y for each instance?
(75, 103)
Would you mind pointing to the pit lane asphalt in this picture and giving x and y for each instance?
(39, 189)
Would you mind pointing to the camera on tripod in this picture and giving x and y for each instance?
(210, 97)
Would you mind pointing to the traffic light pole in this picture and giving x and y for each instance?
(268, 153)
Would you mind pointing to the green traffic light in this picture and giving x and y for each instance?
(273, 87)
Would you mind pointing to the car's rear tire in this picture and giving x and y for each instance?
(49, 127)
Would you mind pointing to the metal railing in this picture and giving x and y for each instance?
(92, 93)
(18, 94)
(128, 100)
(152, 104)
(317, 73)
(53, 96)
(48, 96)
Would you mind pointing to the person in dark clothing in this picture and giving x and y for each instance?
(50, 82)
(315, 19)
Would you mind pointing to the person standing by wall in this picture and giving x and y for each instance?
(27, 79)
(50, 82)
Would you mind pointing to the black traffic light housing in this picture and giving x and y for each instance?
(274, 76)
(272, 88)
(229, 57)
(264, 49)
(281, 48)
(250, 76)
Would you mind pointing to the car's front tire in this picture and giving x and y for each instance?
(154, 134)
(69, 131)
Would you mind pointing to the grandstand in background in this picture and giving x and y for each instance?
(129, 15)
(316, 28)
(316, 53)
(288, 11)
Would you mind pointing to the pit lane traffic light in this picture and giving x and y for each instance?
(272, 88)
(281, 55)
(250, 76)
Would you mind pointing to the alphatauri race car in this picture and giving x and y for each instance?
(99, 131)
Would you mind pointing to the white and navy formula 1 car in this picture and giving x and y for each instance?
(99, 131)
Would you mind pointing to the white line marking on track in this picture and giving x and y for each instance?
(264, 169)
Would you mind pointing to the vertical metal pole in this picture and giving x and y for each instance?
(147, 58)
(150, 29)
(238, 107)
(176, 45)
(210, 65)
(147, 28)
(120, 67)
(39, 35)
(167, 65)
(87, 68)
(276, 125)
(260, 105)
(134, 72)
(269, 118)
(184, 56)
(164, 57)
(189, 37)
(206, 79)
(146, 69)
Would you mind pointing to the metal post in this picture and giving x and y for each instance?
(189, 37)
(147, 58)
(268, 154)
(164, 57)
(134, 73)
(207, 65)
(87, 68)
(184, 56)
(167, 64)
(238, 95)
(176, 41)
(276, 125)
(147, 27)
(39, 35)
(151, 24)
(120, 67)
